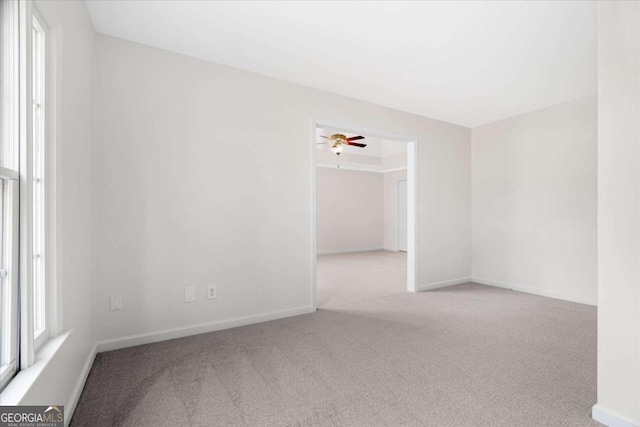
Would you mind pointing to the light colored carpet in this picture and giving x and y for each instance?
(467, 355)
(349, 278)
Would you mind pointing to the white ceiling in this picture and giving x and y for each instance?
(376, 147)
(467, 63)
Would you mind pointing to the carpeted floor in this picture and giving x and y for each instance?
(467, 355)
(349, 278)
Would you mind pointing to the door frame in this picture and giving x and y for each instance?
(398, 217)
(412, 197)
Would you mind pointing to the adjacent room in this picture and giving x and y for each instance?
(300, 213)
(362, 218)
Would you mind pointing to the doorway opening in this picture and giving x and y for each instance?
(364, 214)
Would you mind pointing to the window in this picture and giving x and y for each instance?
(38, 182)
(9, 188)
(26, 272)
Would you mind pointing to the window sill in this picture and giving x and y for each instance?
(20, 385)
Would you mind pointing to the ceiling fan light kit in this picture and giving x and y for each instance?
(337, 148)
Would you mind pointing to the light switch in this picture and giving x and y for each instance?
(190, 294)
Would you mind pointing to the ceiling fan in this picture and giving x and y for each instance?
(338, 141)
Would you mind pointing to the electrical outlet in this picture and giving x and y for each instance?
(116, 303)
(461, 260)
(190, 294)
(211, 292)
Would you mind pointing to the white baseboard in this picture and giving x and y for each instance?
(436, 285)
(168, 334)
(70, 407)
(350, 251)
(534, 291)
(608, 418)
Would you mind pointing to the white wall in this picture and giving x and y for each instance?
(394, 161)
(350, 207)
(618, 211)
(534, 201)
(341, 232)
(327, 158)
(391, 207)
(58, 381)
(204, 176)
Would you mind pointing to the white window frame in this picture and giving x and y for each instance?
(39, 181)
(29, 343)
(9, 181)
(19, 173)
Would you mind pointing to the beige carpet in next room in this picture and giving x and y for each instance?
(466, 355)
(349, 278)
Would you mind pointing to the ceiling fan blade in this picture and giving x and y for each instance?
(355, 138)
(355, 144)
(322, 136)
(326, 142)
